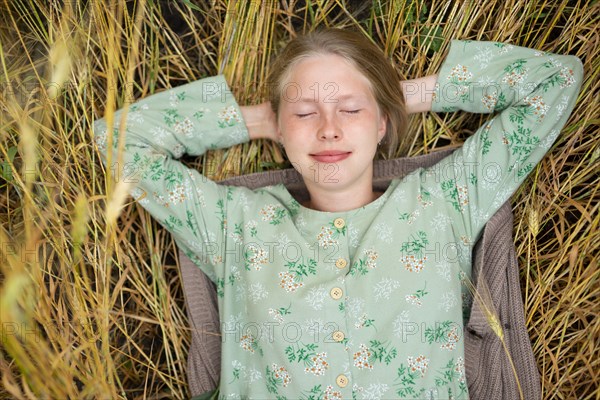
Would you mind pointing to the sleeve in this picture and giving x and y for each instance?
(189, 119)
(534, 93)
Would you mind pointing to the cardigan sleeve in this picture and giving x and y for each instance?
(160, 128)
(533, 92)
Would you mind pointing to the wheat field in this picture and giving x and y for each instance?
(91, 303)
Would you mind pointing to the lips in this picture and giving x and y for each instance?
(330, 156)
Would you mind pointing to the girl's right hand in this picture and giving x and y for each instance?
(260, 121)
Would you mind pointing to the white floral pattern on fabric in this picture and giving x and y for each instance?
(383, 289)
(418, 364)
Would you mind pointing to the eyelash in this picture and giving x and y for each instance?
(346, 111)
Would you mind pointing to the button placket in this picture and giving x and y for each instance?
(338, 293)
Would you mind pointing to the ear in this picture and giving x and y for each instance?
(278, 136)
(382, 126)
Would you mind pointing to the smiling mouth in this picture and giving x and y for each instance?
(330, 156)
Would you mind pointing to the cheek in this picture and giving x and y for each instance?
(286, 124)
(361, 129)
(296, 132)
(294, 124)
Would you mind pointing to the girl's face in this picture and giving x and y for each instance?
(327, 107)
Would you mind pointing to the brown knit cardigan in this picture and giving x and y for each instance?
(488, 369)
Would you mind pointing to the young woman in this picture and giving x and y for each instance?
(354, 293)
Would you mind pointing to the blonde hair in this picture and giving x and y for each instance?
(364, 56)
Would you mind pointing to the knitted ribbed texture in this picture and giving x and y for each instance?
(204, 358)
(488, 370)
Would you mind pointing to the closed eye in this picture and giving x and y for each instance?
(303, 115)
(351, 111)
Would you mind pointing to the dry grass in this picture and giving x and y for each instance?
(91, 303)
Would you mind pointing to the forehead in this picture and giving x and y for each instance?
(329, 72)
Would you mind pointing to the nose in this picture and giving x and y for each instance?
(329, 129)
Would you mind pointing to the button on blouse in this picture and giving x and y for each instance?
(336, 293)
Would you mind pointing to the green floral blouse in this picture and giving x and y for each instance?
(367, 303)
